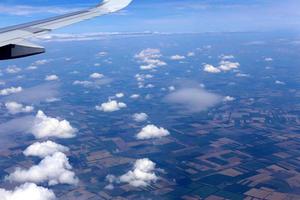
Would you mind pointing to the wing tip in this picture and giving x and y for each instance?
(114, 5)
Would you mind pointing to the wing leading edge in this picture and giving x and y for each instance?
(13, 42)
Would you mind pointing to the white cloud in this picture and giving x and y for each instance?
(140, 117)
(151, 131)
(15, 108)
(190, 54)
(45, 126)
(227, 57)
(54, 169)
(142, 174)
(279, 82)
(193, 99)
(111, 106)
(150, 58)
(228, 98)
(120, 95)
(83, 83)
(11, 90)
(211, 69)
(242, 75)
(27, 191)
(135, 96)
(268, 59)
(177, 57)
(96, 76)
(13, 69)
(227, 65)
(51, 77)
(43, 149)
(102, 54)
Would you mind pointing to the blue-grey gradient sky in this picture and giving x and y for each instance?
(165, 15)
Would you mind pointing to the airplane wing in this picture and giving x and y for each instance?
(13, 39)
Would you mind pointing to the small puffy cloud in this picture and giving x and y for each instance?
(51, 78)
(211, 69)
(54, 169)
(27, 191)
(227, 65)
(135, 96)
(190, 54)
(15, 108)
(96, 76)
(177, 57)
(193, 99)
(120, 95)
(43, 149)
(13, 69)
(242, 75)
(140, 117)
(83, 83)
(41, 62)
(142, 174)
(102, 54)
(228, 98)
(111, 106)
(11, 90)
(279, 82)
(268, 59)
(150, 58)
(151, 131)
(227, 57)
(44, 127)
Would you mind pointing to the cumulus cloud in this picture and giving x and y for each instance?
(15, 108)
(279, 82)
(190, 54)
(227, 57)
(43, 149)
(54, 169)
(140, 117)
(135, 96)
(211, 69)
(96, 76)
(111, 106)
(27, 191)
(51, 77)
(151, 131)
(227, 65)
(193, 99)
(44, 126)
(13, 69)
(177, 57)
(11, 90)
(150, 58)
(120, 95)
(228, 98)
(268, 59)
(95, 83)
(142, 174)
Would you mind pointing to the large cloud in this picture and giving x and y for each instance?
(142, 174)
(111, 106)
(43, 149)
(193, 99)
(15, 108)
(27, 191)
(44, 126)
(151, 131)
(54, 169)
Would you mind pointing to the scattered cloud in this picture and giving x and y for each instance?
(268, 59)
(120, 95)
(11, 90)
(13, 69)
(43, 149)
(211, 69)
(96, 76)
(140, 117)
(44, 127)
(15, 108)
(227, 65)
(228, 99)
(193, 99)
(150, 59)
(279, 82)
(54, 169)
(111, 106)
(96, 83)
(141, 175)
(51, 78)
(151, 132)
(191, 54)
(135, 96)
(27, 191)
(177, 57)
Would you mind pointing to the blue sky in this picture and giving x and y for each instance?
(165, 15)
